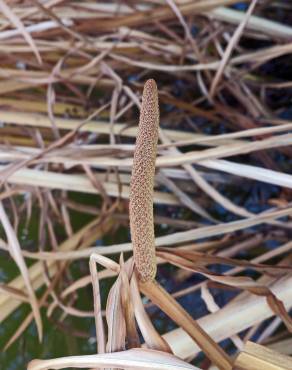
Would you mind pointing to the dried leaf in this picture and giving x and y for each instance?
(127, 304)
(19, 25)
(152, 338)
(204, 259)
(143, 359)
(100, 336)
(240, 282)
(232, 43)
(15, 251)
(115, 319)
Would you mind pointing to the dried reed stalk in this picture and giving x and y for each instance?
(255, 356)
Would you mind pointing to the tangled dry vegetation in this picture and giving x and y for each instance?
(72, 75)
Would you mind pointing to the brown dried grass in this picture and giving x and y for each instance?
(71, 79)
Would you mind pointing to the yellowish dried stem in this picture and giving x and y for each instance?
(142, 183)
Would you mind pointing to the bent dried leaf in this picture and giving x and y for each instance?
(204, 259)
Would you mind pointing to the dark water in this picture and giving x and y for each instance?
(74, 335)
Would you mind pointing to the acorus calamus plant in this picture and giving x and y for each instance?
(142, 184)
(142, 227)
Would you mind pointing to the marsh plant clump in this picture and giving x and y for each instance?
(80, 179)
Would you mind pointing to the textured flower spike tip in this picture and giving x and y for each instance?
(142, 183)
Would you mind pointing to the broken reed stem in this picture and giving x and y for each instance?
(161, 298)
(142, 184)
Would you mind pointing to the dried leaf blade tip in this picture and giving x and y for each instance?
(142, 184)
